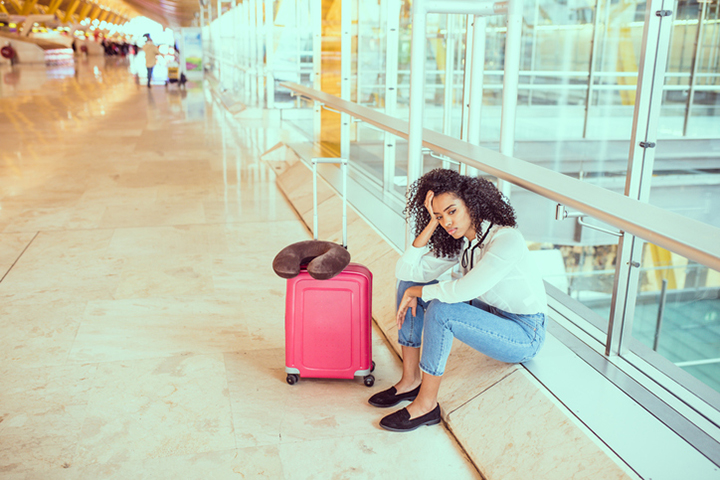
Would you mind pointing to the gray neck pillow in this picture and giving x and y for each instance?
(324, 260)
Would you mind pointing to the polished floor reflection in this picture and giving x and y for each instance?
(141, 326)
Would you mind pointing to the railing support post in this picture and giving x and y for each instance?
(510, 84)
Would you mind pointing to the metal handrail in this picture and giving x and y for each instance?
(690, 238)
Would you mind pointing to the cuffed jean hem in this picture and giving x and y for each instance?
(430, 371)
(408, 344)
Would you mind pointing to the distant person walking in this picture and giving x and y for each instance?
(151, 50)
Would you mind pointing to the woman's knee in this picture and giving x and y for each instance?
(438, 312)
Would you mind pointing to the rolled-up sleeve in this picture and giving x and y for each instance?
(502, 254)
(421, 265)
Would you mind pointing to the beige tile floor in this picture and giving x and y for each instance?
(141, 326)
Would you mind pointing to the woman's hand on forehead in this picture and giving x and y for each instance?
(428, 202)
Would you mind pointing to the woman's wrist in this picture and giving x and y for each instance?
(415, 291)
(424, 237)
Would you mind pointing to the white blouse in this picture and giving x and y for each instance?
(503, 274)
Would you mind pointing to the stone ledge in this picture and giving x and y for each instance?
(510, 426)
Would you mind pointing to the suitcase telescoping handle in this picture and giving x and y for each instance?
(343, 166)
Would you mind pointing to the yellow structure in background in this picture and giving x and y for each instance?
(330, 77)
(71, 10)
(663, 258)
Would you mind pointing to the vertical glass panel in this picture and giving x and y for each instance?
(579, 67)
(369, 87)
(578, 77)
(582, 266)
(677, 313)
(444, 78)
(292, 56)
(367, 150)
(686, 170)
(379, 162)
(444, 58)
(301, 117)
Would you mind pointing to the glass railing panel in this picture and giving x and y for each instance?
(301, 117)
(575, 259)
(570, 59)
(686, 169)
(399, 181)
(372, 156)
(444, 60)
(677, 313)
(367, 151)
(368, 84)
(293, 50)
(692, 82)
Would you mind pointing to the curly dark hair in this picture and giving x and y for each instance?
(482, 198)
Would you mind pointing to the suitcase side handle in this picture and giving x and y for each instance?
(343, 166)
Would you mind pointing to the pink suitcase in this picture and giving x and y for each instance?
(328, 322)
(327, 326)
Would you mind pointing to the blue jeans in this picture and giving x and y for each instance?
(508, 337)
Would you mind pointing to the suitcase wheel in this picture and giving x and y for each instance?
(369, 381)
(293, 378)
(372, 369)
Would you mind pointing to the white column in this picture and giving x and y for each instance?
(259, 61)
(510, 84)
(316, 20)
(219, 52)
(391, 80)
(467, 65)
(477, 78)
(203, 40)
(345, 69)
(269, 52)
(252, 40)
(417, 91)
(449, 76)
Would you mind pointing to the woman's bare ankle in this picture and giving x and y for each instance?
(407, 384)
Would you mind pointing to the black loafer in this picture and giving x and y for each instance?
(390, 397)
(400, 421)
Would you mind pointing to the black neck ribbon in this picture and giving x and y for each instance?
(464, 261)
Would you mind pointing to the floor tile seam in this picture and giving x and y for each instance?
(163, 458)
(481, 392)
(320, 438)
(587, 431)
(460, 445)
(446, 421)
(20, 255)
(77, 332)
(208, 224)
(138, 359)
(143, 459)
(230, 401)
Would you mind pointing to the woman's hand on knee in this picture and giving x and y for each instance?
(409, 300)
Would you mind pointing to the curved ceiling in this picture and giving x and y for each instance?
(169, 13)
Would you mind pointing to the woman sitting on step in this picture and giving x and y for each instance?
(495, 301)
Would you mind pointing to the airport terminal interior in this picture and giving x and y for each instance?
(143, 329)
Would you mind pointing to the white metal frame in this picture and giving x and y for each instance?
(421, 8)
(690, 238)
(653, 61)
